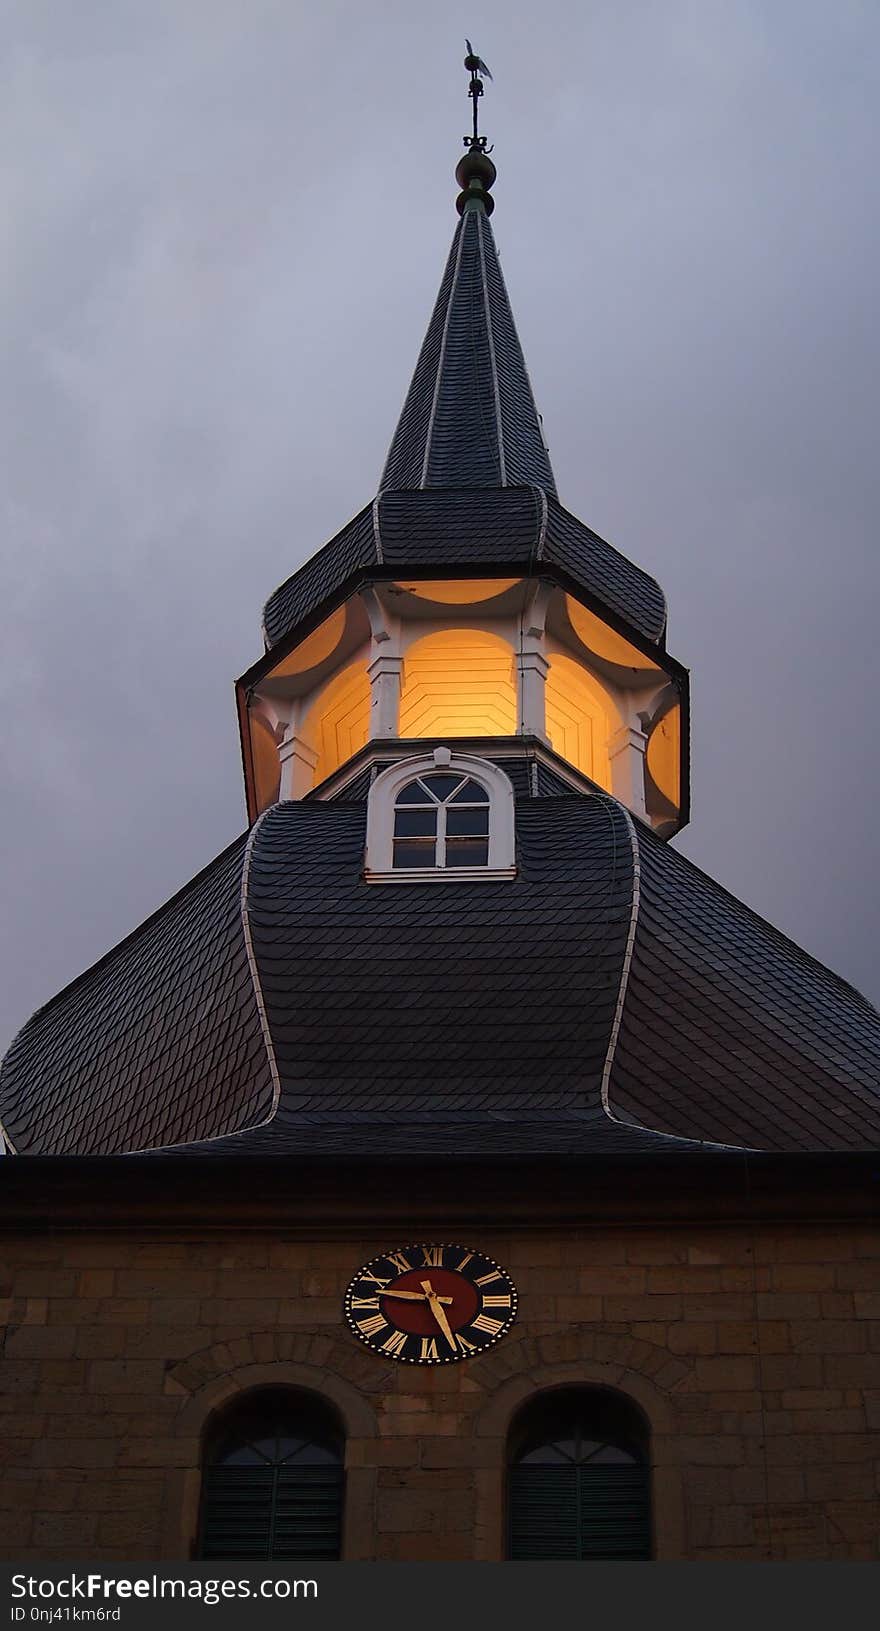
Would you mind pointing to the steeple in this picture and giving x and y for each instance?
(464, 604)
(469, 419)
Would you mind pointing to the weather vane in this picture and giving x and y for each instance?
(477, 69)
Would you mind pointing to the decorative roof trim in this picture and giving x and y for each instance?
(442, 356)
(253, 969)
(528, 378)
(253, 966)
(492, 359)
(626, 965)
(8, 1148)
(377, 529)
(542, 530)
(627, 958)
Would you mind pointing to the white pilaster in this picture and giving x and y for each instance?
(626, 750)
(386, 681)
(531, 665)
(298, 760)
(532, 668)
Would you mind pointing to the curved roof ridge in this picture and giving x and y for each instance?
(678, 1140)
(731, 1030)
(157, 1043)
(441, 356)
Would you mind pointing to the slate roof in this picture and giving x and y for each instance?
(463, 1018)
(469, 419)
(467, 486)
(456, 532)
(159, 1041)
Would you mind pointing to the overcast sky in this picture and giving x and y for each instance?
(225, 222)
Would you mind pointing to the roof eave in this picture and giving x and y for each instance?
(331, 1196)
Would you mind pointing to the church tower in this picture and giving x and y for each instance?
(451, 1169)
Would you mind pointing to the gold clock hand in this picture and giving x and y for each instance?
(438, 1313)
(414, 1296)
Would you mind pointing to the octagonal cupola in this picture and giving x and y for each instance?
(464, 606)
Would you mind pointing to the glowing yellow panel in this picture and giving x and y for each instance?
(462, 593)
(577, 719)
(458, 682)
(338, 722)
(664, 755)
(601, 640)
(315, 648)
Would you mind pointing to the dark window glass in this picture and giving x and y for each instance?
(467, 823)
(579, 1485)
(471, 793)
(272, 1486)
(467, 851)
(409, 852)
(415, 823)
(413, 793)
(441, 786)
(436, 804)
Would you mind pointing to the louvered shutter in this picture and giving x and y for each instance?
(281, 1512)
(567, 1513)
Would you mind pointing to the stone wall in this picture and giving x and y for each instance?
(755, 1355)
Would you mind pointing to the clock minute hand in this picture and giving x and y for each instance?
(438, 1313)
(414, 1296)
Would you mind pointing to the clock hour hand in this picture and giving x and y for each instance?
(438, 1313)
(414, 1296)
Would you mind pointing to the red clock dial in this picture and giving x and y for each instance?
(431, 1304)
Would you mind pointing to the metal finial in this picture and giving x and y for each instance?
(478, 71)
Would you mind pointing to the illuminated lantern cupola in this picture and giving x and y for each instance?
(464, 605)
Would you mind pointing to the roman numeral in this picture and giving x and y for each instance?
(496, 1302)
(394, 1343)
(465, 1346)
(486, 1279)
(429, 1348)
(483, 1323)
(371, 1326)
(399, 1262)
(466, 1259)
(433, 1256)
(373, 1279)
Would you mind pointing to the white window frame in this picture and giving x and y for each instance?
(379, 866)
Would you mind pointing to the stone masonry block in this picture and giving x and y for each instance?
(726, 1373)
(96, 1283)
(67, 1529)
(125, 1376)
(40, 1342)
(828, 1336)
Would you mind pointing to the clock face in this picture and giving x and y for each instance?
(430, 1305)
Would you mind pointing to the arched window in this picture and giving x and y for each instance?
(441, 819)
(579, 1479)
(440, 815)
(272, 1484)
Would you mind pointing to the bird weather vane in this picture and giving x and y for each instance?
(477, 69)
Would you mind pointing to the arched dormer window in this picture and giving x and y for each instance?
(439, 816)
(272, 1482)
(579, 1479)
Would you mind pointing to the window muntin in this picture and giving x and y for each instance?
(441, 820)
(579, 1480)
(272, 1485)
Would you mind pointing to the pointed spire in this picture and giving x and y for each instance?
(469, 419)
